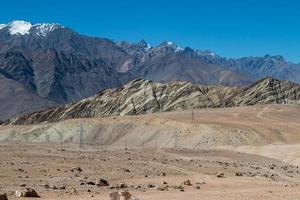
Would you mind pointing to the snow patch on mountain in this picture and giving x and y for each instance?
(19, 27)
(2, 26)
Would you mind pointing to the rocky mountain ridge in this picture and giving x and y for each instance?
(144, 96)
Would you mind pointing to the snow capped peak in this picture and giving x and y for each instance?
(20, 27)
(170, 43)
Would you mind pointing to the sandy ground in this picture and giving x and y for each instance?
(244, 126)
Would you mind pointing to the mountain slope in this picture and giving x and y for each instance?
(15, 98)
(141, 96)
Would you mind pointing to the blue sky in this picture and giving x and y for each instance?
(231, 28)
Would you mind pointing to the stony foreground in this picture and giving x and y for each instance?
(90, 173)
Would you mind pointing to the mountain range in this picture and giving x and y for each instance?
(144, 96)
(46, 65)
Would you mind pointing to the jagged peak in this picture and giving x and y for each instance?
(171, 45)
(144, 44)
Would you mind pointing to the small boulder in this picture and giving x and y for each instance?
(28, 192)
(150, 185)
(220, 174)
(78, 169)
(187, 182)
(71, 190)
(102, 182)
(122, 196)
(238, 174)
(90, 183)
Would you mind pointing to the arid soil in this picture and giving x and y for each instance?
(148, 173)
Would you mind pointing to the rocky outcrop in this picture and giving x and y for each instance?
(136, 97)
(143, 96)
